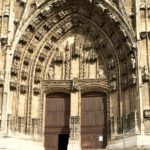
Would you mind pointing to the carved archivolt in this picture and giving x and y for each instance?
(37, 55)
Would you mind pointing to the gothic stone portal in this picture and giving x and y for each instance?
(93, 125)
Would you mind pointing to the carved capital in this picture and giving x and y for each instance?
(14, 71)
(36, 91)
(17, 55)
(37, 78)
(48, 46)
(143, 35)
(91, 58)
(23, 89)
(58, 58)
(24, 75)
(22, 2)
(26, 60)
(42, 57)
(142, 6)
(38, 68)
(23, 40)
(13, 86)
(4, 41)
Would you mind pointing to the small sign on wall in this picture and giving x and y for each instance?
(100, 138)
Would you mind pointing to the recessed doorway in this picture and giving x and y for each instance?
(63, 141)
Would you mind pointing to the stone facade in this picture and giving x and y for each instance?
(75, 47)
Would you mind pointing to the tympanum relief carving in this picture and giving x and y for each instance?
(75, 57)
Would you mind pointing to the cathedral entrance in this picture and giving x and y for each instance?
(57, 121)
(93, 121)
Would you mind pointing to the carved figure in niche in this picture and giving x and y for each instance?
(133, 79)
(15, 62)
(75, 86)
(101, 73)
(111, 63)
(133, 63)
(113, 85)
(145, 70)
(60, 31)
(145, 74)
(51, 73)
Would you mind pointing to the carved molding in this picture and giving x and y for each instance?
(23, 89)
(38, 68)
(84, 85)
(4, 41)
(13, 86)
(17, 55)
(31, 49)
(26, 61)
(24, 75)
(37, 78)
(36, 91)
(42, 57)
(145, 74)
(23, 40)
(14, 71)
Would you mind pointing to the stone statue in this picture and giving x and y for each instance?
(51, 73)
(101, 73)
(133, 63)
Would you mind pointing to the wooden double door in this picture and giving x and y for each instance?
(93, 121)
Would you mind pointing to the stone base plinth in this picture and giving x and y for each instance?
(130, 142)
(20, 143)
(74, 145)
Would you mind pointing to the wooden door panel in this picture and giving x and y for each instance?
(56, 119)
(57, 110)
(51, 142)
(93, 120)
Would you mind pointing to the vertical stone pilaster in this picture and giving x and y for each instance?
(139, 98)
(75, 123)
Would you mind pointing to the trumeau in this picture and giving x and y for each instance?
(75, 47)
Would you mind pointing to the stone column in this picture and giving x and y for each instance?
(75, 122)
